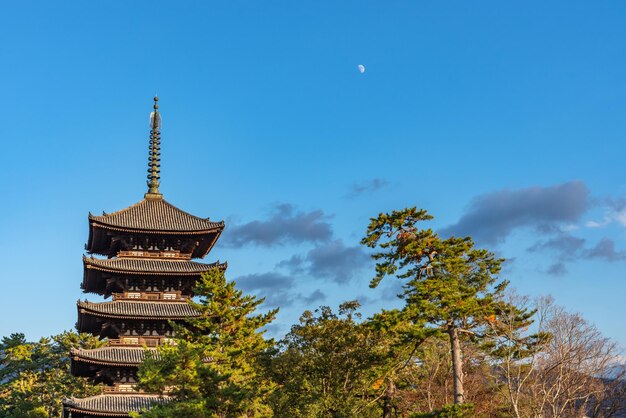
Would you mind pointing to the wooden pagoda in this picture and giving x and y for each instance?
(149, 274)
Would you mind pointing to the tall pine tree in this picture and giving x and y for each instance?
(212, 370)
(450, 288)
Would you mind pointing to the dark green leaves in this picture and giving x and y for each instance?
(213, 369)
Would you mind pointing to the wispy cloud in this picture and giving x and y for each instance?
(366, 186)
(316, 296)
(605, 250)
(615, 212)
(285, 225)
(557, 269)
(567, 248)
(554, 212)
(273, 286)
(278, 289)
(598, 224)
(337, 261)
(332, 260)
(294, 264)
(563, 243)
(562, 247)
(492, 217)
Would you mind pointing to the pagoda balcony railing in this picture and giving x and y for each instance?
(171, 296)
(141, 341)
(131, 388)
(174, 255)
(122, 388)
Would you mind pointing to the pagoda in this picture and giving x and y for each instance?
(142, 258)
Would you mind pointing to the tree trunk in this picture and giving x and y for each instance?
(389, 395)
(457, 367)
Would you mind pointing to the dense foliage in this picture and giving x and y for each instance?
(35, 376)
(330, 365)
(212, 371)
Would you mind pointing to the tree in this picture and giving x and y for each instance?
(559, 367)
(575, 373)
(450, 286)
(35, 376)
(213, 369)
(331, 365)
(515, 348)
(423, 386)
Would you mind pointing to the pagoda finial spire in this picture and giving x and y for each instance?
(154, 154)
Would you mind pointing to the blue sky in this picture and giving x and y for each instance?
(505, 121)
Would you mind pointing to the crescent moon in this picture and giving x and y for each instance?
(361, 68)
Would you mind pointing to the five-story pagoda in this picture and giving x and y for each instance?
(149, 272)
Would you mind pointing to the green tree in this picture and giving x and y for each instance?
(450, 411)
(450, 286)
(213, 369)
(332, 365)
(35, 376)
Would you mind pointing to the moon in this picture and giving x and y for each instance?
(361, 68)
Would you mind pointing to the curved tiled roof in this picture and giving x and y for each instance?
(113, 404)
(155, 215)
(138, 309)
(115, 356)
(149, 266)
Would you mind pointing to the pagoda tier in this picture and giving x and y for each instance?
(109, 365)
(108, 356)
(109, 276)
(132, 318)
(110, 405)
(152, 225)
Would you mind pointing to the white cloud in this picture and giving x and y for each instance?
(598, 224)
(618, 216)
(570, 228)
(621, 217)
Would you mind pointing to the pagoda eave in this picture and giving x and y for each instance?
(135, 317)
(92, 316)
(85, 413)
(100, 240)
(76, 360)
(216, 229)
(146, 266)
(112, 356)
(111, 405)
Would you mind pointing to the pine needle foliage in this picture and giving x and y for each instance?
(450, 286)
(212, 370)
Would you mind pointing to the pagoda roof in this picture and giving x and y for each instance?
(112, 356)
(150, 266)
(155, 215)
(113, 405)
(125, 309)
